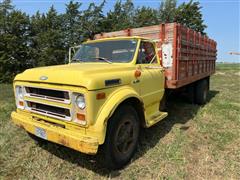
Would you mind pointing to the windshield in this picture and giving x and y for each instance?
(120, 51)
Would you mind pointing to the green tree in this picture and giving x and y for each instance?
(167, 11)
(47, 39)
(189, 14)
(72, 24)
(14, 44)
(5, 9)
(121, 17)
(145, 16)
(91, 20)
(128, 11)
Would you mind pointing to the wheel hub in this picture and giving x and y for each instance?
(125, 136)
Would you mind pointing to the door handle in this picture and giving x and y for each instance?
(153, 67)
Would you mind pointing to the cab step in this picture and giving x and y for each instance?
(156, 118)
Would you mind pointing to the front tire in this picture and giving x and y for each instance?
(122, 137)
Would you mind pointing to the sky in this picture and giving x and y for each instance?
(221, 16)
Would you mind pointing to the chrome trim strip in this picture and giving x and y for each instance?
(49, 98)
(45, 104)
(49, 113)
(40, 87)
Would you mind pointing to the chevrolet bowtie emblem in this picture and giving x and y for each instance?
(43, 78)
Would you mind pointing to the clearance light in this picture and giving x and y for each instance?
(101, 95)
(137, 73)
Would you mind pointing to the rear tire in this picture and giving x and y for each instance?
(201, 91)
(122, 137)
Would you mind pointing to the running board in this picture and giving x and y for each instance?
(156, 118)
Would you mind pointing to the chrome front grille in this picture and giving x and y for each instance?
(48, 94)
(48, 110)
(35, 95)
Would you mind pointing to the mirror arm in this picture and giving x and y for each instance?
(69, 55)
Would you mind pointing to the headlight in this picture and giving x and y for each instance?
(80, 101)
(19, 92)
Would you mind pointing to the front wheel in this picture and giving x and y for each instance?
(122, 137)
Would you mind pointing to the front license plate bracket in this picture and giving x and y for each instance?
(40, 132)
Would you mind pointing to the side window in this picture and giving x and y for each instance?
(146, 54)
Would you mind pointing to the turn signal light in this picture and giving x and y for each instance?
(21, 103)
(81, 117)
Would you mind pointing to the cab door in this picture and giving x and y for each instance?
(151, 79)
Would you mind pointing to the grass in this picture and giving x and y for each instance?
(200, 142)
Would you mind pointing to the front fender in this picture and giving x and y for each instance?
(110, 105)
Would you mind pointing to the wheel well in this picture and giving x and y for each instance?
(138, 106)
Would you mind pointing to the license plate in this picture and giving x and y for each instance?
(40, 132)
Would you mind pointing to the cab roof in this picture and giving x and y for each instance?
(117, 38)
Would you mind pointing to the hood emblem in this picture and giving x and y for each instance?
(43, 78)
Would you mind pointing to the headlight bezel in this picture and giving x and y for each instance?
(80, 108)
(19, 96)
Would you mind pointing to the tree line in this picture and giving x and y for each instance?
(43, 39)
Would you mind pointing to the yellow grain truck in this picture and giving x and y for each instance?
(111, 88)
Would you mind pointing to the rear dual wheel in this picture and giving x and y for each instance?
(201, 91)
(122, 137)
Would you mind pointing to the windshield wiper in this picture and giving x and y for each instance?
(103, 59)
(99, 58)
(76, 60)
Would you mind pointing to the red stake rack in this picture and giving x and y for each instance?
(192, 56)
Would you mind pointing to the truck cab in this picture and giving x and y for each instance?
(109, 90)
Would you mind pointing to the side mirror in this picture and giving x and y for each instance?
(72, 51)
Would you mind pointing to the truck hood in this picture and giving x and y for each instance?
(89, 75)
